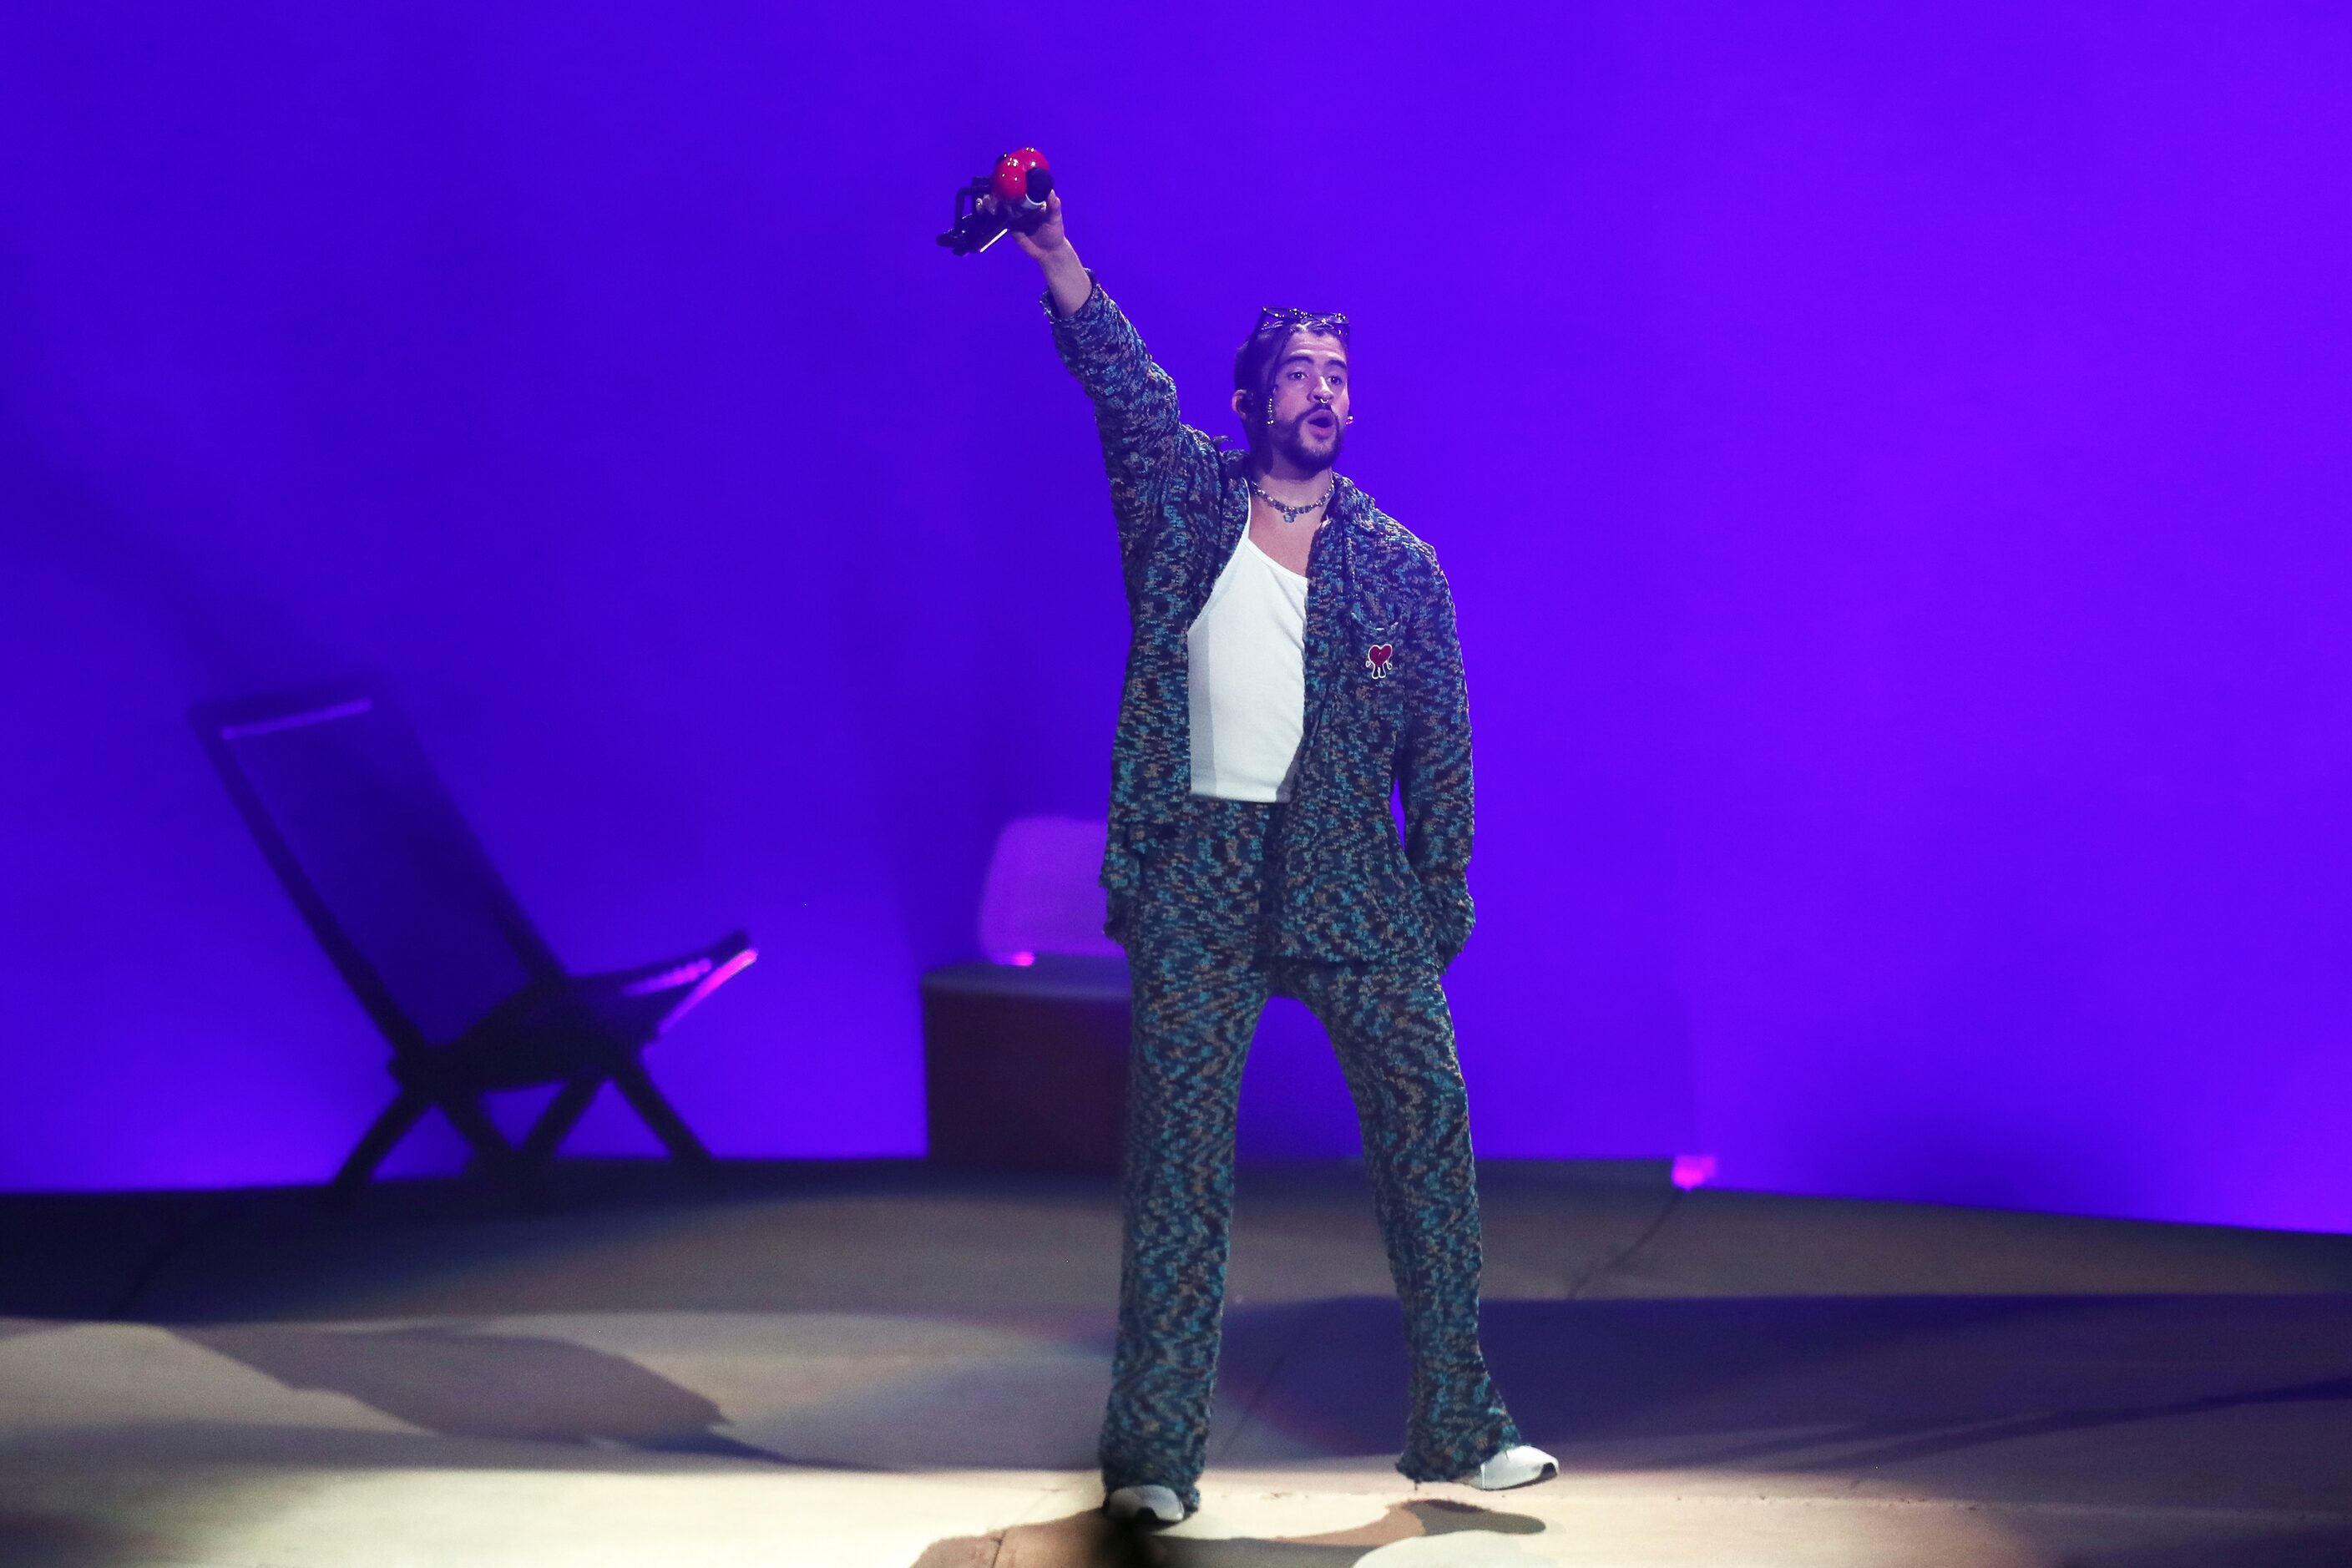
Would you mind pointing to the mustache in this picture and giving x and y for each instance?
(1320, 449)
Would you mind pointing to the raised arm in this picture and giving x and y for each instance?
(1066, 282)
(1433, 771)
(1157, 463)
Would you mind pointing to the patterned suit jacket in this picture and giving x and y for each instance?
(1386, 707)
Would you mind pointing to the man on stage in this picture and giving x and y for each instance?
(1293, 661)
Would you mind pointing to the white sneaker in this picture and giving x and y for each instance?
(1521, 1467)
(1158, 1505)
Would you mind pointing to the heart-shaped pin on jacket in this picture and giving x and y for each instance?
(1376, 659)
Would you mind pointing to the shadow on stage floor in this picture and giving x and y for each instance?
(907, 1365)
(1866, 1383)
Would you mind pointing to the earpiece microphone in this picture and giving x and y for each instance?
(1021, 181)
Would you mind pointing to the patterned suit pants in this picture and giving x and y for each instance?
(1201, 977)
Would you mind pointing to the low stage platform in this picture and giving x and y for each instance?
(894, 1365)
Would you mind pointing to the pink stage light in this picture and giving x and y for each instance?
(1023, 960)
(707, 984)
(1691, 1171)
(668, 979)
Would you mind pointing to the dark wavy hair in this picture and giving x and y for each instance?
(1254, 362)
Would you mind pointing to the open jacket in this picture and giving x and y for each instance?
(1386, 708)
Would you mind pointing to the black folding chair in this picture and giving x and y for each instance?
(398, 890)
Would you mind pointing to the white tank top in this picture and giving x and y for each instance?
(1248, 672)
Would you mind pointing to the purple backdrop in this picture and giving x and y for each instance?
(1892, 466)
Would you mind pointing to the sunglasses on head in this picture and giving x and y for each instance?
(1273, 317)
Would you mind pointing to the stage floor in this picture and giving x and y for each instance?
(892, 1366)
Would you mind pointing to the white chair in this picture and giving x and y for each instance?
(1042, 895)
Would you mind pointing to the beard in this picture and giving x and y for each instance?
(1311, 452)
